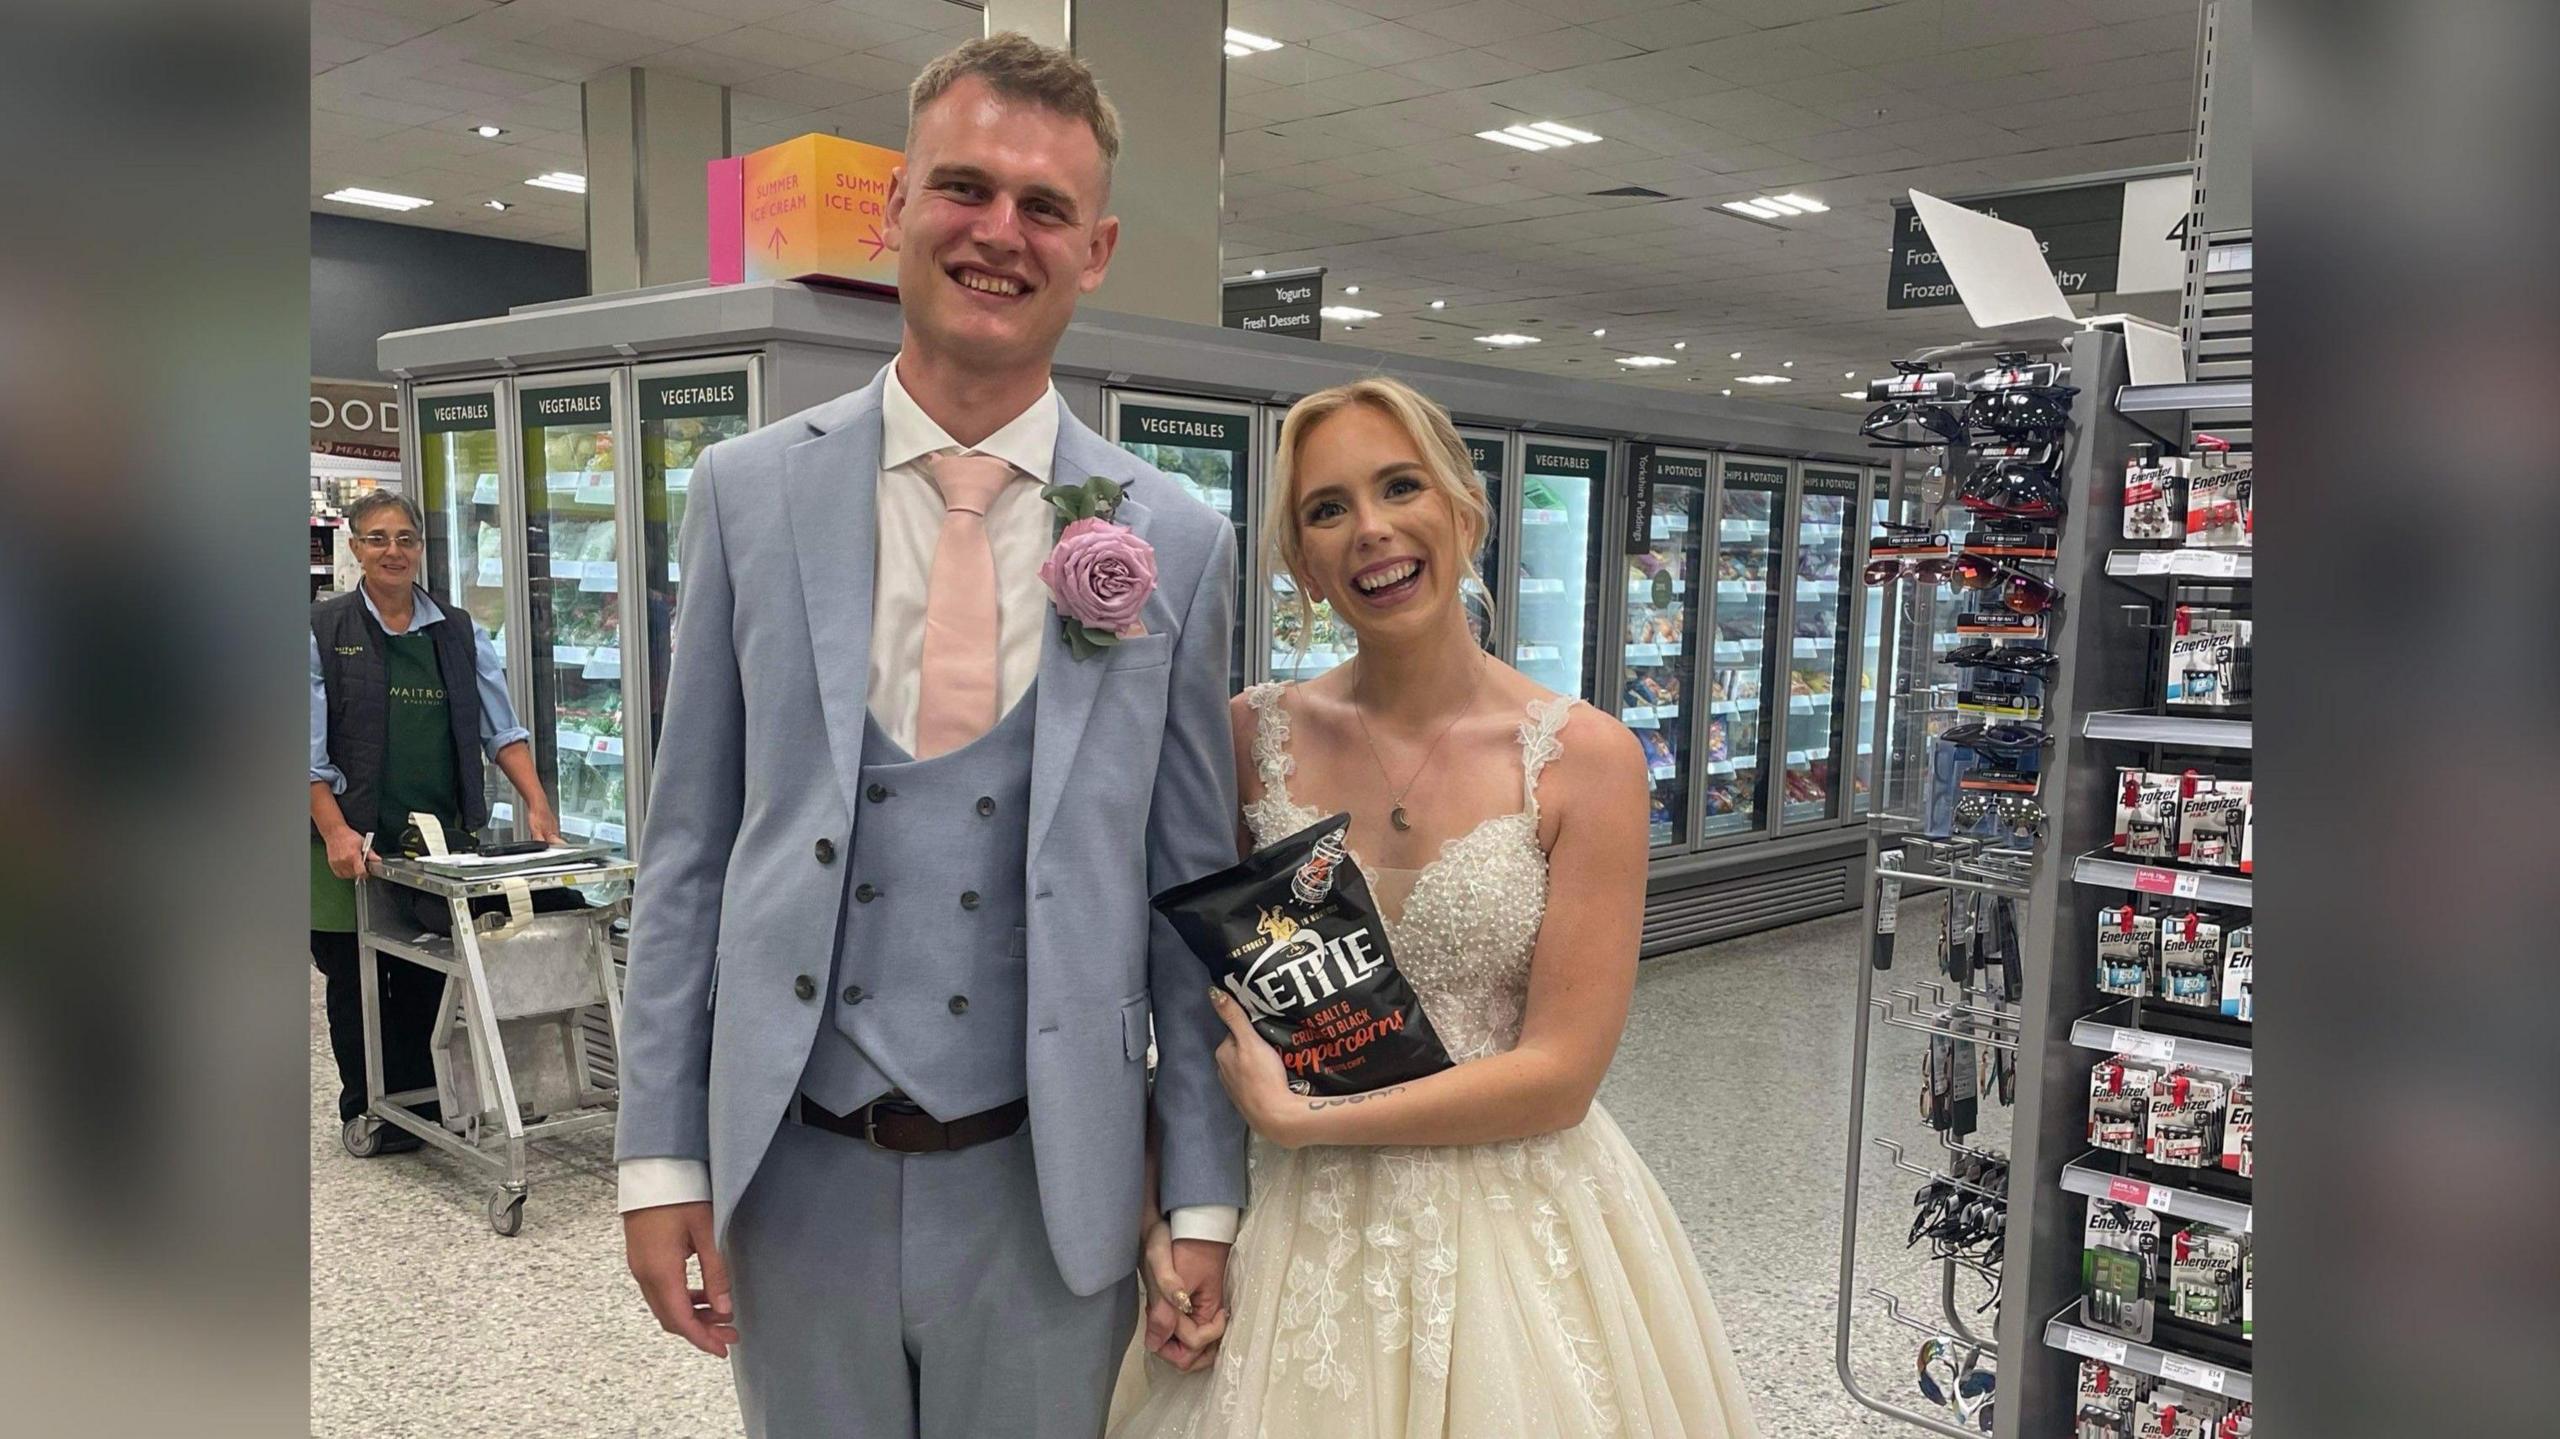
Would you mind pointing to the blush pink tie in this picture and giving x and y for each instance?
(956, 685)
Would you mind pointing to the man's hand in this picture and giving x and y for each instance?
(544, 824)
(346, 852)
(656, 1243)
(1201, 1267)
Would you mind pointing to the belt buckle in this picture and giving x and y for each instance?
(871, 1127)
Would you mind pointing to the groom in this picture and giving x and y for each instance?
(892, 967)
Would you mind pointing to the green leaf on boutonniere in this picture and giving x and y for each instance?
(1085, 642)
(1073, 502)
(1106, 496)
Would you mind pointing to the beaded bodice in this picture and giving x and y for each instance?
(1471, 918)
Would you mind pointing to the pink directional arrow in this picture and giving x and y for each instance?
(775, 243)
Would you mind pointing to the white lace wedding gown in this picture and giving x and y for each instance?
(1537, 1288)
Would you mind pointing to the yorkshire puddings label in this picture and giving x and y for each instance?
(1292, 935)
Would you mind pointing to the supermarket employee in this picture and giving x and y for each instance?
(403, 702)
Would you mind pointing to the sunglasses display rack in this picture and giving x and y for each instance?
(2098, 800)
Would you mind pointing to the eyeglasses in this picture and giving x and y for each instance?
(2012, 487)
(2020, 592)
(1996, 657)
(1928, 569)
(2019, 814)
(2025, 410)
(377, 540)
(1912, 425)
(1996, 738)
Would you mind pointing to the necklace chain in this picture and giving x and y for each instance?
(1395, 801)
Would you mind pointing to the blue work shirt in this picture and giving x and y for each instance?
(498, 727)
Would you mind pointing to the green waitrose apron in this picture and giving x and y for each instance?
(418, 772)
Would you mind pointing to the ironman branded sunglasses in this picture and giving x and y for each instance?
(2020, 592)
(2024, 410)
(1913, 425)
(1997, 738)
(1995, 657)
(2012, 487)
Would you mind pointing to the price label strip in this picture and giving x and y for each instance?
(2179, 1369)
(2093, 1346)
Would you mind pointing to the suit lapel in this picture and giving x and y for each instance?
(832, 483)
(1068, 686)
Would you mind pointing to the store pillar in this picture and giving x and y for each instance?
(1163, 64)
(649, 133)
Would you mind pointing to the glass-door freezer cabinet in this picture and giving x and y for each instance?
(684, 409)
(1742, 737)
(1206, 445)
(574, 571)
(1824, 648)
(1664, 562)
(1556, 595)
(461, 482)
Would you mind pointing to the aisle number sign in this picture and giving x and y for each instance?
(811, 208)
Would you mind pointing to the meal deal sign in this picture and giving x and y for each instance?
(2116, 237)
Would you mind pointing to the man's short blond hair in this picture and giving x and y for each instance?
(1021, 68)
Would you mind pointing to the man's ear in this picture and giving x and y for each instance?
(1106, 238)
(895, 207)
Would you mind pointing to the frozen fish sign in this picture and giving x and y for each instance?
(2112, 237)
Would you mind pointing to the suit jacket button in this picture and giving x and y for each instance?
(805, 987)
(968, 899)
(864, 893)
(959, 1004)
(876, 793)
(826, 850)
(853, 994)
(986, 805)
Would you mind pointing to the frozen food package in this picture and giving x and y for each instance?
(1292, 935)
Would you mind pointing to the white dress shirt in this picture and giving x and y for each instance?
(908, 524)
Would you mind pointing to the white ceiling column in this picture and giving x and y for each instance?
(648, 136)
(1163, 64)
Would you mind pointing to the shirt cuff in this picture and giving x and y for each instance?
(502, 738)
(1216, 1223)
(336, 782)
(649, 1183)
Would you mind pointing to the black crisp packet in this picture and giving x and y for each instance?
(1293, 936)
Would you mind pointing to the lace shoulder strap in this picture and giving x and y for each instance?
(1271, 739)
(1539, 744)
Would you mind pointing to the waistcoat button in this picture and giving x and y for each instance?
(826, 850)
(876, 793)
(863, 893)
(959, 1004)
(805, 987)
(986, 804)
(968, 899)
(853, 994)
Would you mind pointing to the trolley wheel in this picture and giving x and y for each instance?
(362, 1137)
(506, 1214)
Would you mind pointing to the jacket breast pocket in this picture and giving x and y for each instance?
(1144, 652)
(1136, 1030)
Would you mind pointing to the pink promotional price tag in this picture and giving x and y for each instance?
(2129, 1191)
(2154, 881)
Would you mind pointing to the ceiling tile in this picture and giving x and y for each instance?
(1757, 60)
(769, 46)
(805, 90)
(746, 12)
(863, 73)
(1463, 69)
(1368, 87)
(843, 28)
(1562, 49)
(918, 52)
(667, 24)
(1295, 20)
(694, 63)
(1384, 44)
(370, 26)
(600, 42)
(1485, 22)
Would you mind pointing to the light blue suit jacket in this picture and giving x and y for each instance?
(1132, 790)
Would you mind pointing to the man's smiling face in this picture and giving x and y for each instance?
(997, 217)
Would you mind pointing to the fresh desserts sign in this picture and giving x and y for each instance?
(811, 208)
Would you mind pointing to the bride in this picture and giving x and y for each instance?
(1478, 1253)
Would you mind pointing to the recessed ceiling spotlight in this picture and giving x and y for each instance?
(1508, 342)
(498, 205)
(1763, 380)
(487, 132)
(560, 180)
(1347, 312)
(1439, 304)
(1679, 344)
(1848, 374)
(378, 199)
(1728, 392)
(1596, 334)
(1786, 364)
(1646, 362)
(1241, 43)
(1539, 135)
(1853, 394)
(1257, 274)
(1351, 289)
(1736, 355)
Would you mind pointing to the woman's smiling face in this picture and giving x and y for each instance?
(1378, 538)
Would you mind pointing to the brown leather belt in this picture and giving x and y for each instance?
(896, 1124)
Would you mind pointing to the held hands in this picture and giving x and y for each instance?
(1186, 1308)
(656, 1243)
(1256, 1081)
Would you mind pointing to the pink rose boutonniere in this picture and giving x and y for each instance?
(1100, 574)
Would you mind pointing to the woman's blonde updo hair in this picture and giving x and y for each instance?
(1435, 438)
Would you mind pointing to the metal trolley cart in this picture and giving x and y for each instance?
(509, 1042)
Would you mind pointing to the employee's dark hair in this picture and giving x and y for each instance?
(372, 501)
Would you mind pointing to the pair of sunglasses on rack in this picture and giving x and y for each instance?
(2022, 410)
(2020, 592)
(1997, 657)
(2018, 814)
(2000, 738)
(2020, 489)
(1913, 425)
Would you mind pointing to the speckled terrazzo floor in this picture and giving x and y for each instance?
(1732, 1082)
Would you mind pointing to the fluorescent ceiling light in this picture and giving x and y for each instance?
(1763, 380)
(1245, 42)
(1347, 312)
(1566, 133)
(1777, 207)
(560, 180)
(378, 199)
(1646, 362)
(1803, 203)
(1518, 142)
(1853, 394)
(1539, 135)
(1754, 209)
(1508, 342)
(487, 132)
